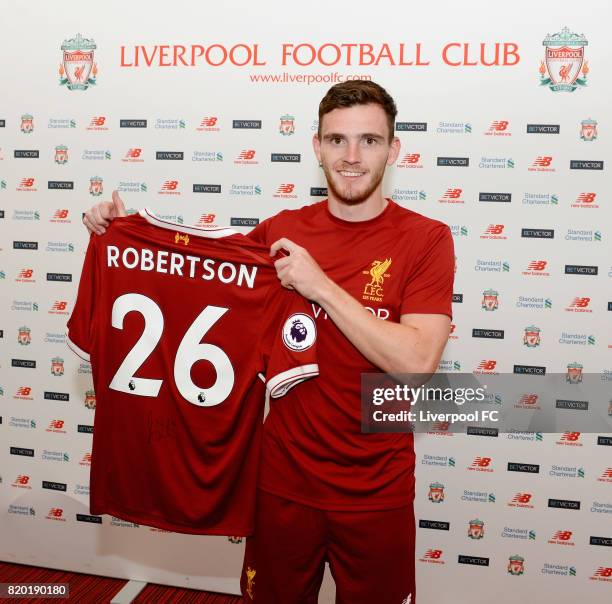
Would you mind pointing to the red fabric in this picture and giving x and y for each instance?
(168, 459)
(370, 554)
(313, 450)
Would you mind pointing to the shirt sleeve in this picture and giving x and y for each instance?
(80, 326)
(259, 234)
(429, 287)
(289, 343)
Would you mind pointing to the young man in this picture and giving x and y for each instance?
(380, 279)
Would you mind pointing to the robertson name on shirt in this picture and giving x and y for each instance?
(173, 263)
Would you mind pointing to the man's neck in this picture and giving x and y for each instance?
(366, 210)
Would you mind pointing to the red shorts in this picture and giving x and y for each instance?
(370, 554)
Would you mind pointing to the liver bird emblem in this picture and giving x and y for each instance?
(251, 572)
(378, 270)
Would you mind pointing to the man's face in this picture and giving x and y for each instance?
(354, 150)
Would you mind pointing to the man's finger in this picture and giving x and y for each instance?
(91, 226)
(97, 218)
(106, 209)
(118, 204)
(86, 223)
(281, 263)
(283, 244)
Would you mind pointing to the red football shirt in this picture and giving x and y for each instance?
(178, 322)
(313, 450)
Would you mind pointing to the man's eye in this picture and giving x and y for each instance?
(370, 140)
(336, 140)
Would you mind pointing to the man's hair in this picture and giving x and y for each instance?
(358, 92)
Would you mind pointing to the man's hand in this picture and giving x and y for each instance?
(414, 345)
(299, 271)
(100, 216)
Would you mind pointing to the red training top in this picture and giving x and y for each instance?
(313, 450)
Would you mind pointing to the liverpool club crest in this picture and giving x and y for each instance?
(57, 366)
(490, 300)
(516, 565)
(531, 338)
(24, 337)
(78, 70)
(436, 492)
(95, 186)
(476, 529)
(287, 127)
(90, 399)
(588, 130)
(61, 154)
(27, 123)
(564, 67)
(574, 373)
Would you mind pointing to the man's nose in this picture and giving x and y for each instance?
(353, 152)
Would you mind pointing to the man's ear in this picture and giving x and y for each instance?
(316, 145)
(394, 149)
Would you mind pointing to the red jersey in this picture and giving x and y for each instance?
(178, 322)
(313, 451)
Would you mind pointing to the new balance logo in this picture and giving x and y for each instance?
(570, 436)
(499, 126)
(528, 399)
(580, 302)
(247, 154)
(411, 158)
(586, 197)
(206, 219)
(603, 572)
(487, 365)
(562, 535)
(537, 265)
(452, 193)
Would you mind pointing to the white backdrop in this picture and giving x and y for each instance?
(238, 165)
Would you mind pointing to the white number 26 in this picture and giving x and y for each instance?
(190, 351)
